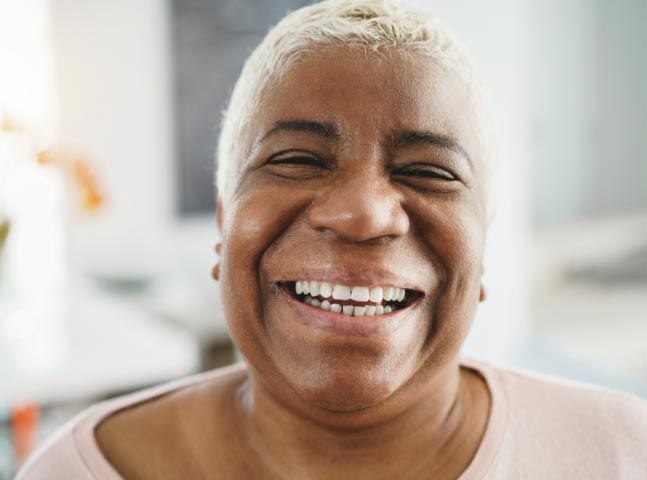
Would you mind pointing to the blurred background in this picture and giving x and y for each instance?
(109, 115)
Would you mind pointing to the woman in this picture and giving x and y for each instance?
(353, 207)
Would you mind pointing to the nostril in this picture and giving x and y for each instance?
(322, 229)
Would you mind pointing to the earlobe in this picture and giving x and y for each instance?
(482, 290)
(215, 271)
(482, 294)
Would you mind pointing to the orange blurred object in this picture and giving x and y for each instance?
(92, 198)
(24, 425)
(79, 168)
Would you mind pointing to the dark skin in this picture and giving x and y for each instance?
(360, 170)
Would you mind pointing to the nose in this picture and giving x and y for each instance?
(360, 208)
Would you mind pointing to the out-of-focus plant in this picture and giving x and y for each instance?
(78, 169)
(73, 164)
(6, 126)
(4, 232)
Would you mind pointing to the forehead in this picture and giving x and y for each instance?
(368, 93)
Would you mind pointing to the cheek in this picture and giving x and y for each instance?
(253, 220)
(459, 241)
(455, 232)
(252, 223)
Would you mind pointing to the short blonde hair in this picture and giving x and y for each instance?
(369, 24)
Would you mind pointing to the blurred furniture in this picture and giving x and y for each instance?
(86, 345)
(590, 295)
(103, 345)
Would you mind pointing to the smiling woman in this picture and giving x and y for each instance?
(353, 207)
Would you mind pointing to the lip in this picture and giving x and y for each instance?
(345, 325)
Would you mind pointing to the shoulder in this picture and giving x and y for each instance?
(561, 427)
(572, 401)
(83, 447)
(165, 435)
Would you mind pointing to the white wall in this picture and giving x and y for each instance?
(590, 109)
(619, 130)
(112, 64)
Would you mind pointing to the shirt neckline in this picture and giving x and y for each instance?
(497, 423)
(98, 465)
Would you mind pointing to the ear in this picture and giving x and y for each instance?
(215, 272)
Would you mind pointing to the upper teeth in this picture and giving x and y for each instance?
(344, 292)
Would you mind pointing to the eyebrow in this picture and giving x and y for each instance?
(414, 138)
(321, 129)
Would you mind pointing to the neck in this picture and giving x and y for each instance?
(413, 432)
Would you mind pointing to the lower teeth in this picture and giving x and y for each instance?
(349, 310)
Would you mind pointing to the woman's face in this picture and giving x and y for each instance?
(361, 174)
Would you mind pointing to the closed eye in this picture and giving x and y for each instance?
(425, 170)
(296, 166)
(299, 160)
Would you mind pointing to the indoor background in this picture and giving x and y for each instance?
(109, 115)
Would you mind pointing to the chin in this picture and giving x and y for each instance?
(345, 387)
(342, 397)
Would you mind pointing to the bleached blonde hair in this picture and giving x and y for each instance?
(373, 25)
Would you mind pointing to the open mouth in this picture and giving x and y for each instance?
(352, 301)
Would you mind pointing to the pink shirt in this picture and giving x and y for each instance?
(539, 427)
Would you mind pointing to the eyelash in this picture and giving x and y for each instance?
(299, 160)
(426, 171)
